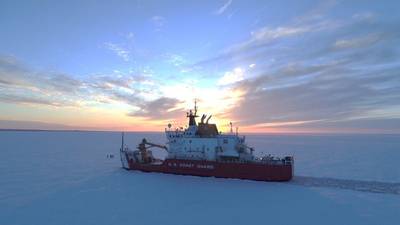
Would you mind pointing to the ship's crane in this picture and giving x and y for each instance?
(142, 145)
(143, 149)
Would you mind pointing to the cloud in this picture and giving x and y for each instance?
(231, 77)
(160, 109)
(365, 16)
(287, 123)
(112, 81)
(315, 71)
(326, 92)
(132, 88)
(223, 8)
(118, 50)
(318, 12)
(21, 84)
(267, 36)
(271, 42)
(266, 33)
(323, 72)
(126, 47)
(8, 98)
(368, 125)
(175, 59)
(312, 21)
(16, 75)
(159, 22)
(306, 36)
(130, 36)
(320, 99)
(357, 42)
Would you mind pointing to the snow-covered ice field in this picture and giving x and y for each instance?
(66, 178)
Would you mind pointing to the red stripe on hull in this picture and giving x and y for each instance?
(249, 171)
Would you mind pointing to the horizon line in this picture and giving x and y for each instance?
(251, 133)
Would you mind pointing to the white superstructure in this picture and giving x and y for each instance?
(203, 141)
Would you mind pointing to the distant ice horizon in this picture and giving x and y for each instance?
(13, 125)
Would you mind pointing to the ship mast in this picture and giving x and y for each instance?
(192, 116)
(195, 107)
(122, 142)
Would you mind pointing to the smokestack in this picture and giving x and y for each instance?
(202, 118)
(208, 119)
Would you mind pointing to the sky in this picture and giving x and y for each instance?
(266, 66)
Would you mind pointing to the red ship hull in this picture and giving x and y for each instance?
(249, 171)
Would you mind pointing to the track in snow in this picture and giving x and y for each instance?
(355, 185)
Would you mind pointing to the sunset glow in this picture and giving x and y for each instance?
(317, 66)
